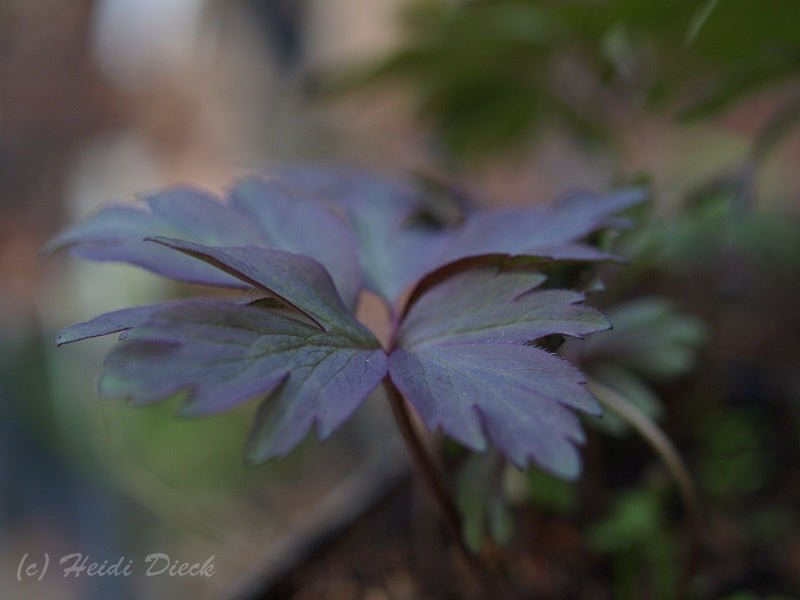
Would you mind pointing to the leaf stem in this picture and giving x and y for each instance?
(433, 481)
(669, 455)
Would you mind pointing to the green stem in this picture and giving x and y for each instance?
(657, 440)
(669, 455)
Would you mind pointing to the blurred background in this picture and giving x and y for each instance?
(515, 101)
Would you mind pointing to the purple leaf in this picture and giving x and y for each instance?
(551, 231)
(119, 321)
(464, 353)
(117, 234)
(299, 281)
(392, 251)
(465, 361)
(384, 248)
(394, 254)
(217, 355)
(260, 212)
(111, 322)
(492, 306)
(302, 225)
(351, 189)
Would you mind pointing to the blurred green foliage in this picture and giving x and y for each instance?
(481, 502)
(736, 462)
(637, 536)
(649, 337)
(715, 222)
(744, 595)
(551, 493)
(487, 73)
(651, 341)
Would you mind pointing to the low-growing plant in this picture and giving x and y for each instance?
(473, 295)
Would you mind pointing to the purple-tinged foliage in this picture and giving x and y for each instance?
(296, 280)
(219, 354)
(289, 222)
(464, 349)
(259, 212)
(117, 234)
(297, 212)
(395, 251)
(118, 321)
(551, 232)
(466, 361)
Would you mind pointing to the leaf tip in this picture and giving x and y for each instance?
(49, 248)
(255, 455)
(160, 239)
(594, 408)
(69, 335)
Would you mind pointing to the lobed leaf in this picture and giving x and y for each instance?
(299, 281)
(380, 245)
(259, 212)
(552, 231)
(120, 321)
(316, 365)
(295, 223)
(117, 234)
(117, 321)
(395, 251)
(465, 360)
(464, 354)
(492, 306)
(218, 355)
